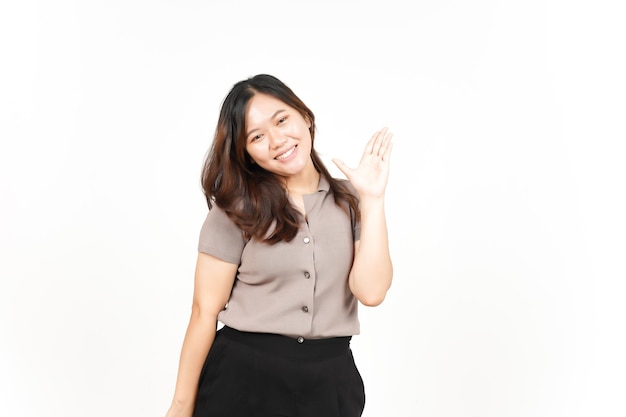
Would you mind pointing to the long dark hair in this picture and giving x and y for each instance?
(252, 197)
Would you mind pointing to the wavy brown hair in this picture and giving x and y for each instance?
(252, 197)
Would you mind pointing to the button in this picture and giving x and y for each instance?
(307, 275)
(307, 240)
(301, 339)
(305, 309)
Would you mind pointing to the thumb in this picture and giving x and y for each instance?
(343, 167)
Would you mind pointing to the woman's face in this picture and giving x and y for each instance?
(278, 138)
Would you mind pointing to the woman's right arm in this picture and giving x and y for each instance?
(213, 283)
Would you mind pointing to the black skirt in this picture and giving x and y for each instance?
(267, 375)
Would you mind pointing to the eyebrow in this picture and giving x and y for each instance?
(271, 118)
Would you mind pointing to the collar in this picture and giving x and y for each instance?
(323, 185)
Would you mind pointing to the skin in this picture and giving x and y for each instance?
(372, 270)
(279, 141)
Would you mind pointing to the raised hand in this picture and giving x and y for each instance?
(370, 177)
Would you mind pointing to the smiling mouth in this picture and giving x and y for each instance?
(286, 154)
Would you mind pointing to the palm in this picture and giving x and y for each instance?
(370, 177)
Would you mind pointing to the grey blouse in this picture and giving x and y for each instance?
(298, 288)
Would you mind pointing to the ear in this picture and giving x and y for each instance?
(308, 121)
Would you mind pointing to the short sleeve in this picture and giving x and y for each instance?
(356, 221)
(220, 237)
(356, 228)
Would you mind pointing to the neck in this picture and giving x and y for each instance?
(306, 183)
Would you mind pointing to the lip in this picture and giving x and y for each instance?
(293, 150)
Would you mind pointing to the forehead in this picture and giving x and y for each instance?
(262, 107)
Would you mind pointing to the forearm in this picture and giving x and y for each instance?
(198, 340)
(372, 270)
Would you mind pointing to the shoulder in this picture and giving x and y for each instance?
(220, 236)
(346, 186)
(217, 219)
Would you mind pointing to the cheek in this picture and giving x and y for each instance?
(259, 157)
(253, 152)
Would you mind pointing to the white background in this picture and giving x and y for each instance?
(505, 205)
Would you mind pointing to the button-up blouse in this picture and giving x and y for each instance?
(298, 288)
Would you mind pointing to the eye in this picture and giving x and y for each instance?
(283, 119)
(256, 138)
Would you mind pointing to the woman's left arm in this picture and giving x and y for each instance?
(372, 270)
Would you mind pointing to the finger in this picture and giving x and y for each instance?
(370, 144)
(379, 141)
(387, 154)
(385, 145)
(342, 167)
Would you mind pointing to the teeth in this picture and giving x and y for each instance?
(286, 154)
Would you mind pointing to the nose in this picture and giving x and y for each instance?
(277, 139)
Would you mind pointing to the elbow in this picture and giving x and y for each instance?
(373, 297)
(204, 312)
(372, 300)
(371, 292)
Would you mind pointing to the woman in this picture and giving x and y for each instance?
(285, 254)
